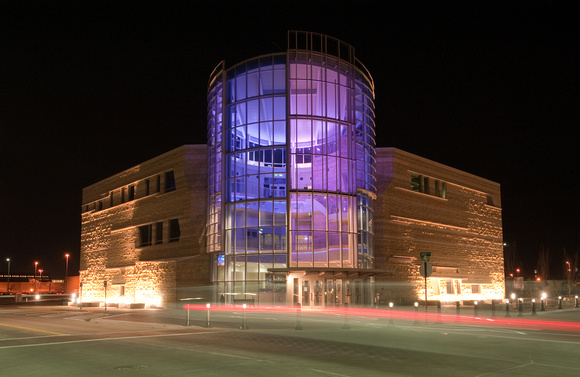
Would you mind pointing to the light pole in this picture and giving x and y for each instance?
(66, 272)
(8, 283)
(35, 268)
(40, 279)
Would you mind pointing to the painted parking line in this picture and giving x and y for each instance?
(31, 329)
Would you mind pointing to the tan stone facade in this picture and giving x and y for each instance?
(143, 231)
(424, 206)
(129, 240)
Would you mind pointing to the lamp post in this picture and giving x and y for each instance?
(543, 303)
(35, 268)
(8, 283)
(66, 272)
(40, 279)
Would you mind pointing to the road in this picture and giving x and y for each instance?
(66, 341)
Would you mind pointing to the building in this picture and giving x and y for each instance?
(292, 186)
(424, 206)
(141, 236)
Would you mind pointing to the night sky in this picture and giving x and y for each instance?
(89, 90)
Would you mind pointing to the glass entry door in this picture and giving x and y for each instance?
(312, 292)
(305, 293)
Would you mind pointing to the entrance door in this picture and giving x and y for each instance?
(305, 293)
(339, 296)
(312, 292)
(318, 293)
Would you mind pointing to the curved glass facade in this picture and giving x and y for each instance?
(215, 149)
(297, 147)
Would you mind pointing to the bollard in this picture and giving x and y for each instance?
(493, 308)
(207, 321)
(346, 326)
(244, 322)
(457, 308)
(187, 317)
(298, 317)
(507, 308)
(391, 314)
(560, 302)
(576, 303)
(521, 308)
(534, 307)
(543, 302)
(416, 304)
(439, 320)
(475, 308)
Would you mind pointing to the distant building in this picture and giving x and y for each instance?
(285, 204)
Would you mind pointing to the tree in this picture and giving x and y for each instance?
(510, 259)
(544, 258)
(571, 272)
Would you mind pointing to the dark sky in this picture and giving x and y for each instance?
(88, 89)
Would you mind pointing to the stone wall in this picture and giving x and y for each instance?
(462, 228)
(171, 186)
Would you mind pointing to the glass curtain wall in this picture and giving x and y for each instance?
(214, 140)
(325, 99)
(255, 171)
(291, 166)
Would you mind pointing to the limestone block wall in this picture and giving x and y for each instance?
(459, 223)
(154, 195)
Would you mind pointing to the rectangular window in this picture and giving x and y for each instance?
(131, 192)
(145, 235)
(174, 231)
(443, 190)
(123, 194)
(146, 187)
(426, 185)
(158, 186)
(169, 181)
(416, 182)
(159, 233)
(475, 288)
(449, 284)
(121, 290)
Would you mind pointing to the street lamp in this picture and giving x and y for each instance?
(40, 279)
(66, 272)
(35, 268)
(8, 283)
(543, 303)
